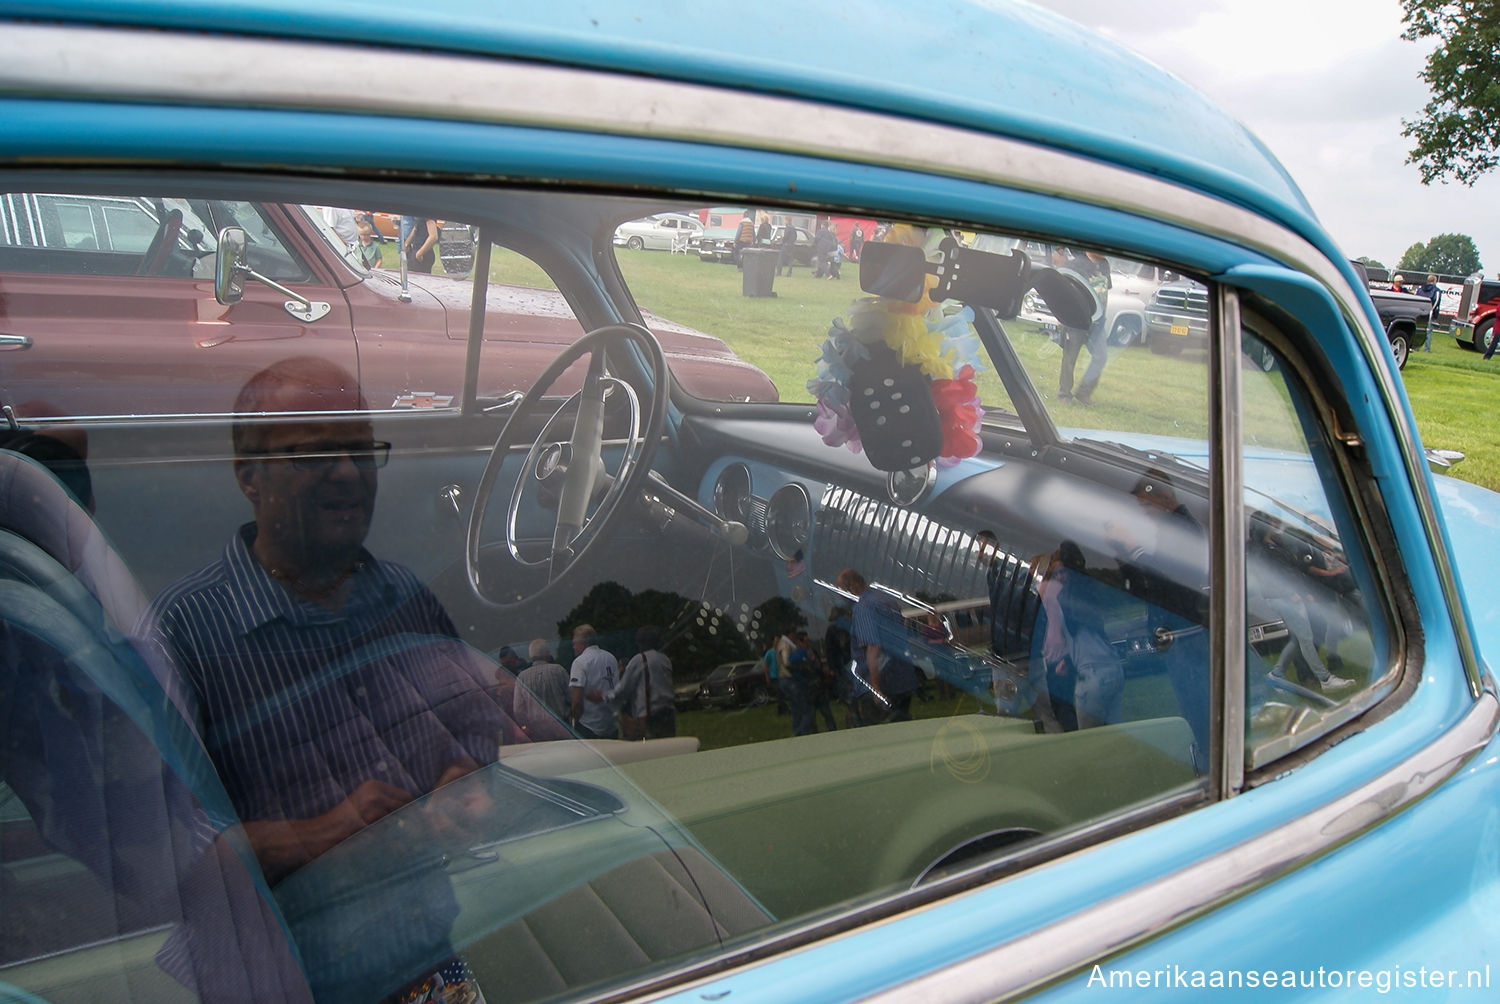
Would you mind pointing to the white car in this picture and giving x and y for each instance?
(663, 232)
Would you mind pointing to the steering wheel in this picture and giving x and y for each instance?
(159, 251)
(569, 464)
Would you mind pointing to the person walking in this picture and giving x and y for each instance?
(1430, 290)
(788, 246)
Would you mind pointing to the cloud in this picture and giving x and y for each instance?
(1325, 86)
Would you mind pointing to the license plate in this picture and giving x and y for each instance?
(1179, 329)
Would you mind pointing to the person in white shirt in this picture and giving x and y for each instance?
(543, 693)
(593, 675)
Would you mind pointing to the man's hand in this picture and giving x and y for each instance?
(456, 770)
(454, 812)
(375, 799)
(284, 845)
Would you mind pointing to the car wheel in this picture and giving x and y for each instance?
(759, 697)
(1484, 331)
(1400, 346)
(1127, 332)
(1262, 357)
(635, 244)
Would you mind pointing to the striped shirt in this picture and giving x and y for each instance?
(299, 705)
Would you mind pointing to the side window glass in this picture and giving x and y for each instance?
(267, 252)
(55, 234)
(1315, 655)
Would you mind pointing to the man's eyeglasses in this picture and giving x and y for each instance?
(320, 460)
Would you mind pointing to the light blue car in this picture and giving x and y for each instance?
(1094, 671)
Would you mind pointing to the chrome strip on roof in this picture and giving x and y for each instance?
(1071, 945)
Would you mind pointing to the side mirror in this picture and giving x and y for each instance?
(229, 266)
(231, 269)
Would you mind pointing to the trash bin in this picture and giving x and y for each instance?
(760, 270)
(456, 249)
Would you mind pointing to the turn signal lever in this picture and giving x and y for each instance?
(659, 501)
(663, 501)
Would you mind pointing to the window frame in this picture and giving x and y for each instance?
(1392, 607)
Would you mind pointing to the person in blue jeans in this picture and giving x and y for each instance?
(1097, 344)
(794, 680)
(1430, 290)
(404, 229)
(877, 639)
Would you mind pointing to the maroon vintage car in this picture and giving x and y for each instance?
(124, 285)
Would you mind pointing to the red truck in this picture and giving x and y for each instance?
(94, 285)
(1477, 307)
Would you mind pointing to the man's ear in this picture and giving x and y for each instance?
(247, 473)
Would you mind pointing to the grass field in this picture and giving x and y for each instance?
(717, 728)
(1451, 389)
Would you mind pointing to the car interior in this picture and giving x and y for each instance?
(1016, 540)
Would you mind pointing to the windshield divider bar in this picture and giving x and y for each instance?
(477, 300)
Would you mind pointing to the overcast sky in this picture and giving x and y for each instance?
(1325, 84)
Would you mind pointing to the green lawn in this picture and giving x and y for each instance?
(1452, 393)
(717, 728)
(1451, 389)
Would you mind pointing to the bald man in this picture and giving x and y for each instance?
(330, 688)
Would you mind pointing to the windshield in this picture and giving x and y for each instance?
(783, 287)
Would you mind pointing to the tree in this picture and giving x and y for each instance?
(1369, 262)
(1453, 254)
(1458, 133)
(695, 636)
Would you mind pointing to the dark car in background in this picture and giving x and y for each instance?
(802, 246)
(736, 685)
(1404, 316)
(685, 696)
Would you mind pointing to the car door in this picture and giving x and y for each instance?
(95, 287)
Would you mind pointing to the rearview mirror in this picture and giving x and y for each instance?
(1070, 299)
(898, 271)
(229, 266)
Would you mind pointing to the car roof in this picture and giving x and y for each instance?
(1020, 71)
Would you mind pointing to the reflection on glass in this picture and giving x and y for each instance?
(1313, 659)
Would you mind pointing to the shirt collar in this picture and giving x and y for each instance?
(260, 599)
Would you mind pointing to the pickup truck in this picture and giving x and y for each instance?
(1177, 318)
(93, 282)
(1405, 316)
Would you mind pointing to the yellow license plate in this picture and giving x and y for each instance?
(1179, 329)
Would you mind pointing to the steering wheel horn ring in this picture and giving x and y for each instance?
(584, 515)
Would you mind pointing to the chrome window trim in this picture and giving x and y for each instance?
(1226, 534)
(1072, 944)
(1261, 763)
(197, 69)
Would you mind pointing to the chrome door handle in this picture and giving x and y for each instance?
(14, 342)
